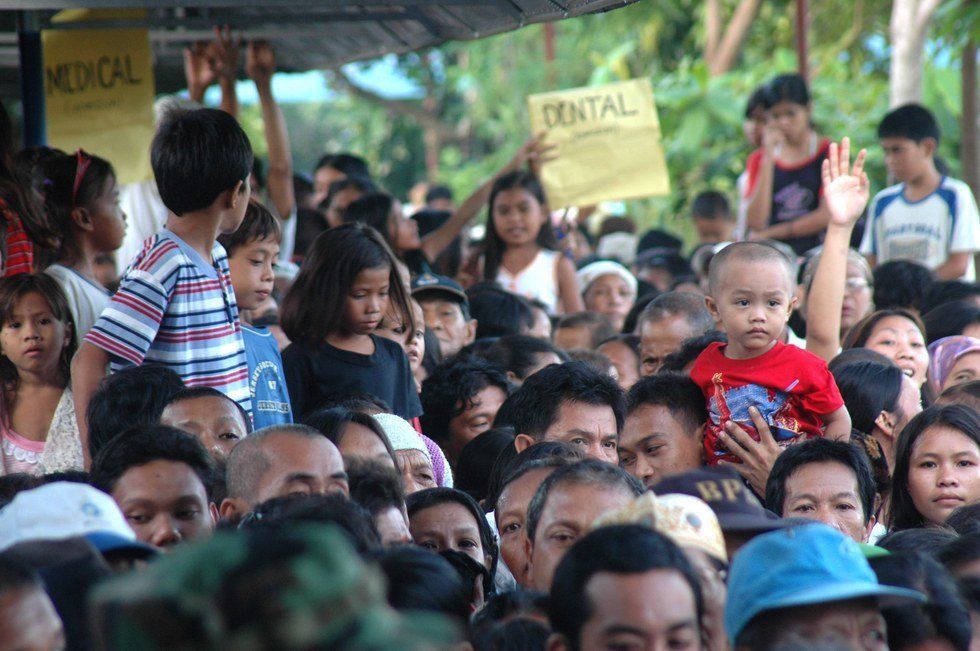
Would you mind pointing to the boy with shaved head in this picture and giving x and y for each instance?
(750, 286)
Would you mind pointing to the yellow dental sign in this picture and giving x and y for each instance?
(608, 143)
(99, 90)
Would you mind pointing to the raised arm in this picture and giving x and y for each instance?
(224, 60)
(260, 65)
(846, 191)
(88, 368)
(760, 203)
(198, 71)
(534, 151)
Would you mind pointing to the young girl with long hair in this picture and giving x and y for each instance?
(38, 431)
(519, 250)
(339, 298)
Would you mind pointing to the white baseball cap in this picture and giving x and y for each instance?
(68, 510)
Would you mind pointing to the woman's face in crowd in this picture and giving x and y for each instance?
(542, 325)
(612, 296)
(792, 119)
(966, 369)
(361, 442)
(416, 470)
(944, 472)
(511, 515)
(909, 404)
(339, 203)
(448, 526)
(625, 360)
(404, 231)
(857, 297)
(901, 341)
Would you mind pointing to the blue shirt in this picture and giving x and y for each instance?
(270, 397)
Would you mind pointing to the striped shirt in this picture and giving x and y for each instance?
(18, 249)
(174, 309)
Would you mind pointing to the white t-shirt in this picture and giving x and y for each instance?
(927, 230)
(145, 216)
(86, 300)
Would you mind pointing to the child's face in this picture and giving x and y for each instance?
(415, 342)
(612, 296)
(752, 304)
(713, 231)
(253, 272)
(32, 338)
(907, 159)
(367, 301)
(517, 217)
(753, 126)
(791, 118)
(108, 219)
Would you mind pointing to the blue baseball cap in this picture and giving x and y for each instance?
(802, 566)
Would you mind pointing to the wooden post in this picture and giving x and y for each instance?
(802, 46)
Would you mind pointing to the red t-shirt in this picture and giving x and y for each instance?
(790, 387)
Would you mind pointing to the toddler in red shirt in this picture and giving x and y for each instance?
(750, 286)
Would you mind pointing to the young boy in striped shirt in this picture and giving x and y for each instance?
(175, 305)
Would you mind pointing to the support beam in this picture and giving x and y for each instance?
(31, 78)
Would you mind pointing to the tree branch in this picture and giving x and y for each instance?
(712, 29)
(734, 36)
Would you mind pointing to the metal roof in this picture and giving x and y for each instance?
(307, 34)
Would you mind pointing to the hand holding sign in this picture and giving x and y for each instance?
(607, 143)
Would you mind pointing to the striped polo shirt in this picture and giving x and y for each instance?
(175, 309)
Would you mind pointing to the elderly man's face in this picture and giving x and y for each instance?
(828, 492)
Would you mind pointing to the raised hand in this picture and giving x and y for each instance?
(260, 62)
(845, 188)
(224, 53)
(198, 70)
(534, 152)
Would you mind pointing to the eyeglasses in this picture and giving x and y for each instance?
(82, 163)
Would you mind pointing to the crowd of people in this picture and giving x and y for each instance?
(244, 408)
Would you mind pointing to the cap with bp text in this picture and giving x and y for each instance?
(802, 566)
(723, 489)
(66, 510)
(435, 284)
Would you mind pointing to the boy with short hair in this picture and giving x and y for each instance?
(175, 305)
(253, 253)
(927, 217)
(713, 218)
(751, 297)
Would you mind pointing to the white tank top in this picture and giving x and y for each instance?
(538, 280)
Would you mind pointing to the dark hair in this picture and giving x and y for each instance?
(962, 550)
(360, 401)
(686, 304)
(511, 464)
(309, 225)
(17, 576)
(690, 349)
(197, 155)
(498, 312)
(858, 336)
(950, 319)
(510, 604)
(259, 224)
(965, 519)
(820, 450)
(332, 423)
(535, 406)
(345, 163)
(14, 483)
(450, 390)
(374, 486)
(141, 445)
(900, 284)
(314, 308)
(677, 392)
(911, 121)
(903, 514)
(15, 190)
(14, 288)
(289, 511)
(420, 580)
(711, 205)
(433, 497)
(907, 541)
(437, 192)
(374, 210)
(131, 397)
(61, 198)
(493, 245)
(787, 88)
(478, 458)
(944, 615)
(587, 471)
(852, 355)
(193, 393)
(517, 354)
(514, 634)
(598, 325)
(633, 316)
(868, 388)
(947, 291)
(362, 184)
(619, 549)
(758, 99)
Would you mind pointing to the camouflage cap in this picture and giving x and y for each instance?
(302, 588)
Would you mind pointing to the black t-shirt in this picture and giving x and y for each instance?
(315, 373)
